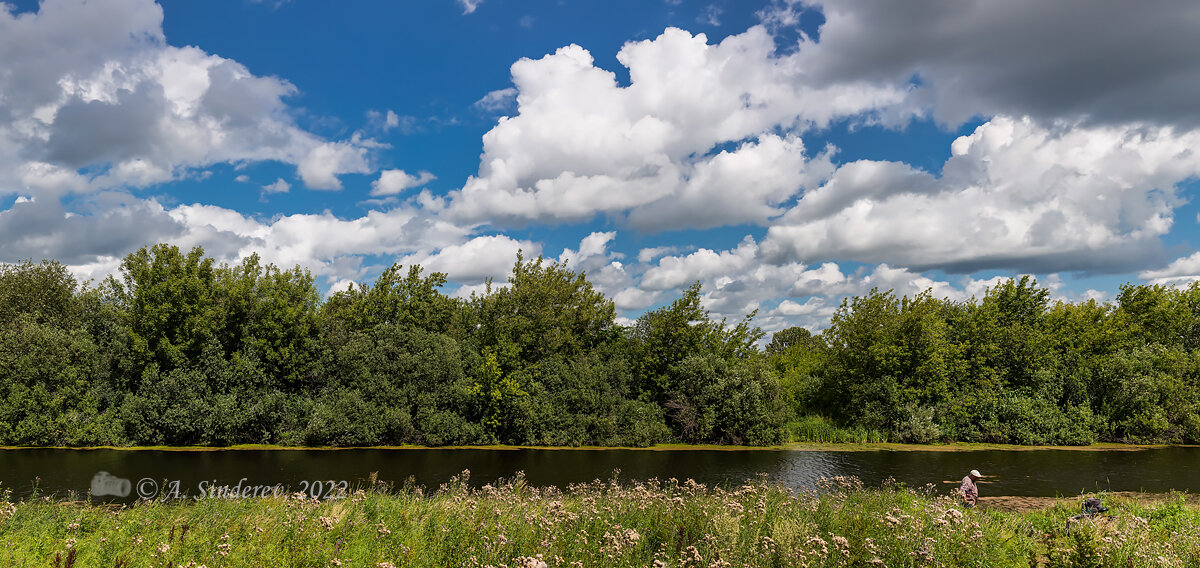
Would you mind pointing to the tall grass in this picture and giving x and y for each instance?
(644, 524)
(818, 429)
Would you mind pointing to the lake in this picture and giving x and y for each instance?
(1008, 472)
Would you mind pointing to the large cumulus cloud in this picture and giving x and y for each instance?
(1015, 195)
(1102, 62)
(703, 135)
(94, 97)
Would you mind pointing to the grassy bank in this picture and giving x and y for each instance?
(657, 524)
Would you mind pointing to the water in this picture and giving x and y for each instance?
(1007, 472)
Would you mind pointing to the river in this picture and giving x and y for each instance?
(1039, 472)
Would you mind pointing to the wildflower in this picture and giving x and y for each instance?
(621, 539)
(326, 522)
(382, 529)
(70, 543)
(224, 548)
(768, 544)
(843, 545)
(530, 561)
(335, 562)
(814, 542)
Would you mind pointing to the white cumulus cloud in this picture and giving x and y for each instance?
(95, 98)
(277, 186)
(1016, 194)
(581, 144)
(392, 182)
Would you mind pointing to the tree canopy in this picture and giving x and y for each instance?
(176, 349)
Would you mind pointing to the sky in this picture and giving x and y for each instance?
(786, 154)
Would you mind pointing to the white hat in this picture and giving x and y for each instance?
(975, 473)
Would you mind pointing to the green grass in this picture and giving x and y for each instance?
(669, 524)
(817, 429)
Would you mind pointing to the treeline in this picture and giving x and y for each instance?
(175, 350)
(1012, 367)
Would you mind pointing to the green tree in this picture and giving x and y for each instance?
(167, 298)
(1011, 337)
(269, 316)
(664, 337)
(1008, 355)
(889, 361)
(798, 358)
(409, 370)
(1161, 314)
(45, 385)
(785, 340)
(726, 401)
(545, 311)
(44, 291)
(411, 300)
(1152, 396)
(501, 400)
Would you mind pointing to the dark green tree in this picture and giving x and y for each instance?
(45, 291)
(166, 297)
(546, 310)
(889, 364)
(664, 337)
(411, 301)
(270, 317)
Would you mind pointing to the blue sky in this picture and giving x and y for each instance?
(784, 153)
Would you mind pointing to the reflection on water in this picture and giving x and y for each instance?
(1029, 473)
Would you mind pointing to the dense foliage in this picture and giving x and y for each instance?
(1012, 367)
(175, 350)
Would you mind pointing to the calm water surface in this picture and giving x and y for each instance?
(1009, 472)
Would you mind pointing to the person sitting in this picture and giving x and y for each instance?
(970, 491)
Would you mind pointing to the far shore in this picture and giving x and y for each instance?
(795, 446)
